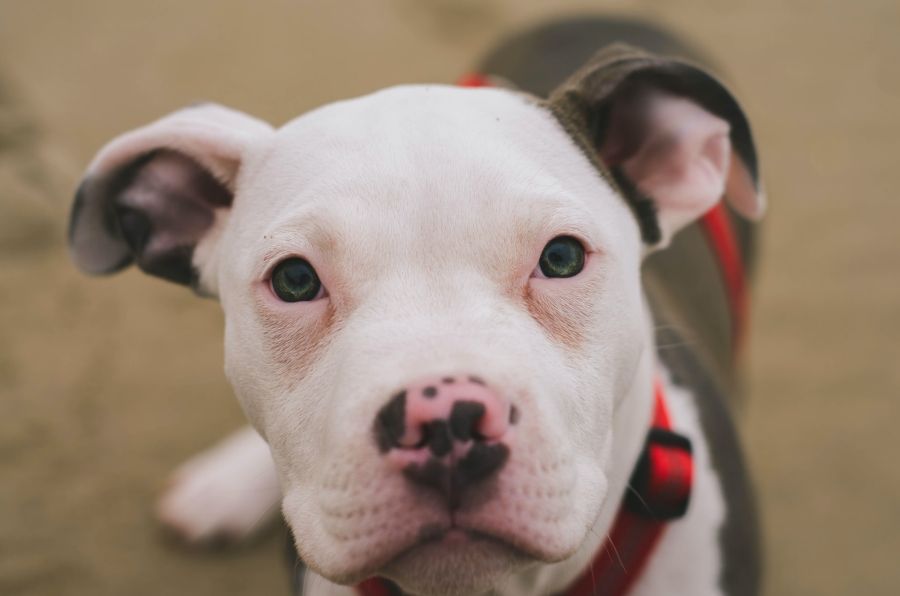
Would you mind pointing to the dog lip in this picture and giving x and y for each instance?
(452, 534)
(518, 546)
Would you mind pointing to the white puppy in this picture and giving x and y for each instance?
(435, 317)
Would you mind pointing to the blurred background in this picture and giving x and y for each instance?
(106, 385)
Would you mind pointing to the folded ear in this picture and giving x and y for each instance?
(671, 135)
(152, 194)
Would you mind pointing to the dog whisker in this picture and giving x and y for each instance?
(611, 544)
(676, 344)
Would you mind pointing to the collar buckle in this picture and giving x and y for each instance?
(660, 486)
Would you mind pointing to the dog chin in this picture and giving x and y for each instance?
(455, 562)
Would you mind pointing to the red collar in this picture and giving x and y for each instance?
(659, 491)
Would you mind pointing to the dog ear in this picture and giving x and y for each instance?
(153, 194)
(671, 136)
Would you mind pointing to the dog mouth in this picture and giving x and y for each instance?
(447, 549)
(449, 535)
(438, 544)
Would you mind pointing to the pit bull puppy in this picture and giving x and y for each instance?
(451, 322)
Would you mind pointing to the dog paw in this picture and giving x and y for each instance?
(224, 494)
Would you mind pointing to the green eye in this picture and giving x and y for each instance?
(294, 280)
(562, 257)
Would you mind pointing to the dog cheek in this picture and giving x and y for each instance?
(267, 357)
(565, 318)
(293, 345)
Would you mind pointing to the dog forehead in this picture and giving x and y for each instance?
(424, 116)
(462, 162)
(421, 137)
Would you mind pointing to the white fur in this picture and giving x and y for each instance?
(226, 492)
(424, 209)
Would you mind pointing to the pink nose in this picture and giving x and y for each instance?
(447, 432)
(433, 412)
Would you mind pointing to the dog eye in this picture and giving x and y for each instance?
(562, 257)
(294, 280)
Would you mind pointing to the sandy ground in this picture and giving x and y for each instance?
(105, 385)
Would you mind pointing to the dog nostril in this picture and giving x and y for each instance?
(422, 442)
(390, 423)
(437, 437)
(464, 418)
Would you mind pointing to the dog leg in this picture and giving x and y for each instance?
(225, 493)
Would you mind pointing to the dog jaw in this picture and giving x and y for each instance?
(358, 517)
(424, 210)
(434, 566)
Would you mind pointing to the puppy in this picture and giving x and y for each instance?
(442, 307)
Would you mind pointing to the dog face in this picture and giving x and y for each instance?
(432, 302)
(427, 244)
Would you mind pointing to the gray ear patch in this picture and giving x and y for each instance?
(590, 104)
(94, 241)
(151, 212)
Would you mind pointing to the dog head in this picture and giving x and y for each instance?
(432, 296)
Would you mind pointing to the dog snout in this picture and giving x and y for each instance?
(447, 433)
